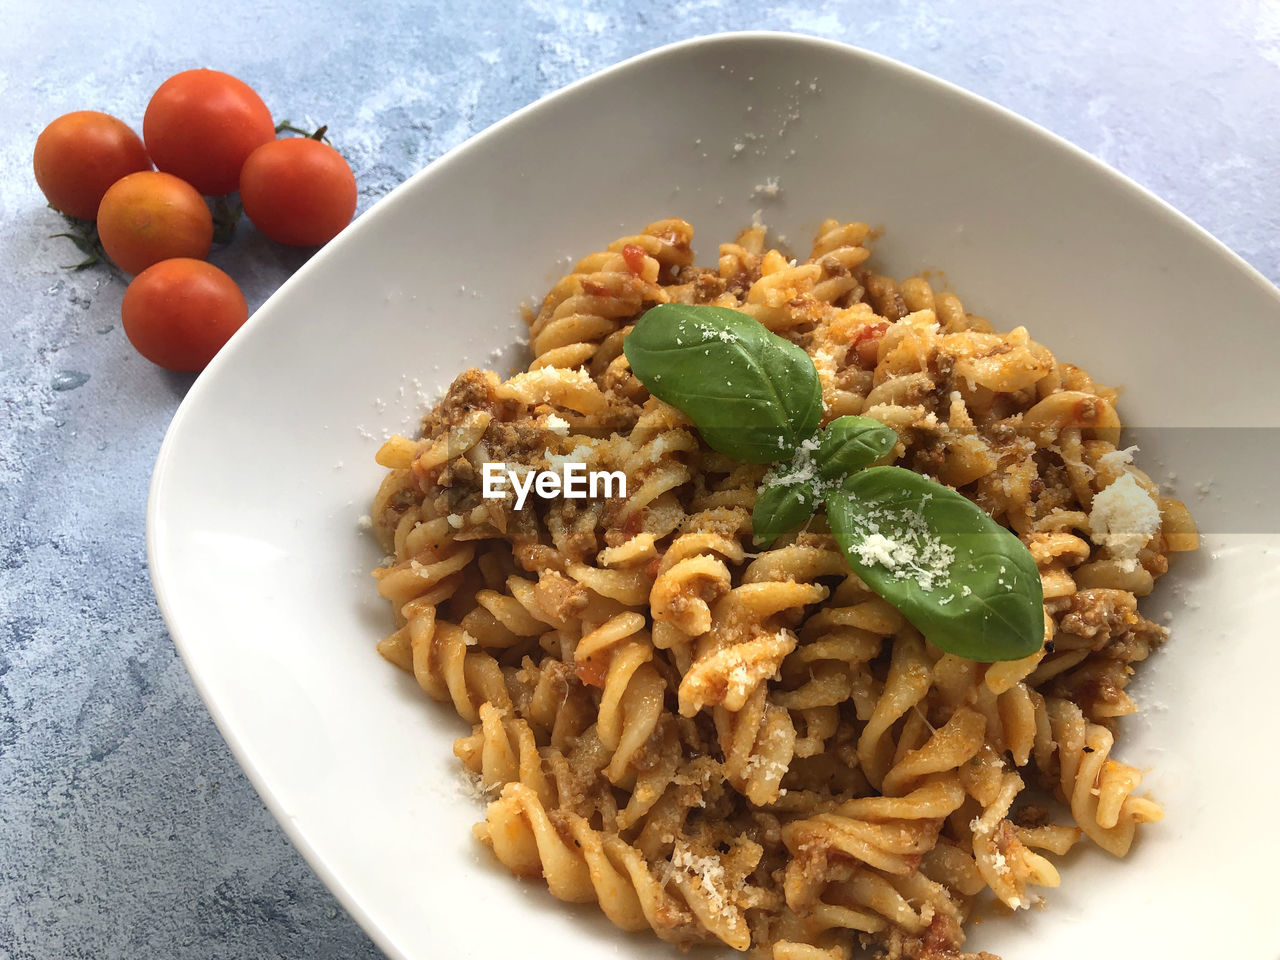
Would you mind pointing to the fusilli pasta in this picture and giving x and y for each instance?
(724, 743)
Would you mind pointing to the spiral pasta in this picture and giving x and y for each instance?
(722, 743)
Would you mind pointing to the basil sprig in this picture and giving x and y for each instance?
(964, 581)
(792, 490)
(752, 395)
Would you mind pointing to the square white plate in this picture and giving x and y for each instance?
(261, 572)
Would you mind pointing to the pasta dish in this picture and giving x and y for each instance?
(780, 743)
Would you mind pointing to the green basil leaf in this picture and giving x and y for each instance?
(965, 582)
(851, 443)
(780, 508)
(752, 395)
(793, 489)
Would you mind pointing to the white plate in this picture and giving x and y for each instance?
(261, 571)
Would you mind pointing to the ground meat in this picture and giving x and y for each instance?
(1001, 432)
(741, 282)
(929, 459)
(702, 285)
(472, 390)
(1099, 614)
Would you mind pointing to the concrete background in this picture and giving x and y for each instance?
(126, 828)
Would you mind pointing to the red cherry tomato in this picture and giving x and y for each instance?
(298, 191)
(180, 312)
(80, 155)
(152, 216)
(201, 125)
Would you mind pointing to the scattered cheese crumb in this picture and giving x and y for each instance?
(558, 425)
(364, 522)
(455, 521)
(768, 190)
(709, 871)
(579, 454)
(472, 786)
(766, 767)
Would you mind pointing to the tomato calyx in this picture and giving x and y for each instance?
(226, 217)
(84, 235)
(285, 126)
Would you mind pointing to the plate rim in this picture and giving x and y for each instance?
(157, 491)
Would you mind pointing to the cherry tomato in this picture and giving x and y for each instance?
(180, 312)
(151, 216)
(201, 125)
(80, 155)
(298, 191)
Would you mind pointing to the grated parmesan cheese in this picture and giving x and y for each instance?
(801, 469)
(877, 548)
(1123, 519)
(557, 425)
(910, 553)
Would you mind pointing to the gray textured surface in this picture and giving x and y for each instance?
(126, 829)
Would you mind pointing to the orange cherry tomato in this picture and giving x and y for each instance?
(152, 216)
(80, 155)
(298, 191)
(179, 313)
(201, 125)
